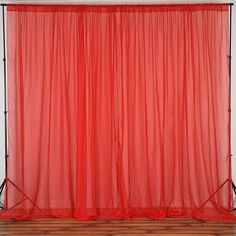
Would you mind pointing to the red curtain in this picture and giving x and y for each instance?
(118, 112)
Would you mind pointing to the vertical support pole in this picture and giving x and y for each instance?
(230, 36)
(5, 99)
(230, 66)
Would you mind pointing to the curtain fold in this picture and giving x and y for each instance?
(118, 112)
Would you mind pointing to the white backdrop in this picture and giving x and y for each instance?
(233, 91)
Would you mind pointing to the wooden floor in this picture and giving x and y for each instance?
(117, 227)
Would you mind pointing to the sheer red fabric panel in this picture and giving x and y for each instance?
(118, 112)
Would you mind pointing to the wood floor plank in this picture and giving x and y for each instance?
(145, 227)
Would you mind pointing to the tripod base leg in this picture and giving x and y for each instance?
(234, 189)
(1, 191)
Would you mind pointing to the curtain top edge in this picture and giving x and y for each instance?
(118, 8)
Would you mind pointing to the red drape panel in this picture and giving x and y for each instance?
(118, 112)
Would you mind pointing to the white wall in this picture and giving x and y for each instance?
(123, 2)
